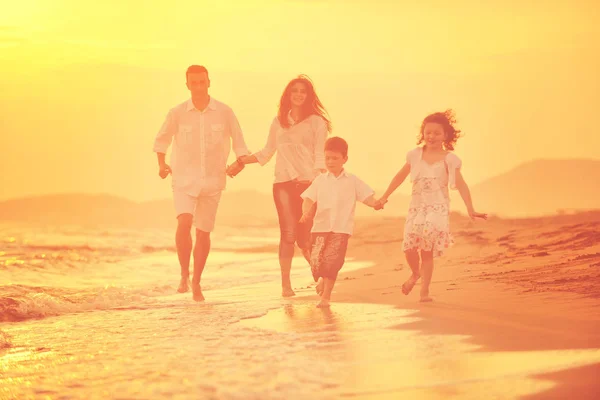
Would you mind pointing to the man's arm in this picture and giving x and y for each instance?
(162, 142)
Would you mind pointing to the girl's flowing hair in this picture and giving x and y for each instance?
(447, 119)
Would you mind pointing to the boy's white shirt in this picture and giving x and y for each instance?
(336, 199)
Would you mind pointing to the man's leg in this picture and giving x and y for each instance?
(184, 208)
(206, 212)
(183, 242)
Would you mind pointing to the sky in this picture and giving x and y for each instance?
(85, 87)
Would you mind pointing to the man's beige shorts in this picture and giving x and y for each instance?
(203, 208)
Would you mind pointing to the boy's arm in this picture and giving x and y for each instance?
(370, 201)
(309, 197)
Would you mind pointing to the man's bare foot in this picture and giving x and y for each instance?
(197, 292)
(287, 292)
(410, 284)
(323, 304)
(319, 287)
(426, 299)
(183, 285)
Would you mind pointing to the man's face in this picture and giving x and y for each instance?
(198, 83)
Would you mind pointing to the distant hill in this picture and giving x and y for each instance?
(541, 187)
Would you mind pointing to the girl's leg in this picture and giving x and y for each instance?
(412, 258)
(283, 196)
(427, 272)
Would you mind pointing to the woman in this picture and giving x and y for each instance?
(298, 136)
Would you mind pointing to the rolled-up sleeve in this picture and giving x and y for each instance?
(320, 137)
(266, 153)
(164, 136)
(238, 143)
(363, 191)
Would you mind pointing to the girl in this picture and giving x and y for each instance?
(432, 168)
(298, 136)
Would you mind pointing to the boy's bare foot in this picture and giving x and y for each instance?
(183, 285)
(319, 287)
(426, 299)
(287, 292)
(197, 292)
(410, 284)
(323, 304)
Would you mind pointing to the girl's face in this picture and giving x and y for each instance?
(434, 135)
(298, 94)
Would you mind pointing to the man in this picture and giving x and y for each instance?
(201, 130)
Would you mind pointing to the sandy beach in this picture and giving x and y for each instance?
(510, 285)
(514, 317)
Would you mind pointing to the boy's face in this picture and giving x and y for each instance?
(334, 161)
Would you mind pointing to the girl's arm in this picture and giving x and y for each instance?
(465, 193)
(396, 182)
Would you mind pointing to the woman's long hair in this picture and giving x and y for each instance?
(312, 105)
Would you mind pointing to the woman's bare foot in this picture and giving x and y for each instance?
(323, 304)
(319, 287)
(410, 284)
(197, 292)
(287, 292)
(183, 285)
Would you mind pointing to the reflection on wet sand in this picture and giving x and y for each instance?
(376, 362)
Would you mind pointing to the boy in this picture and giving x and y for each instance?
(335, 193)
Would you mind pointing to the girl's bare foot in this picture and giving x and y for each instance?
(319, 287)
(426, 299)
(323, 304)
(410, 284)
(287, 292)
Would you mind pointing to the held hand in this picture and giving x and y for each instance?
(164, 171)
(234, 169)
(473, 214)
(380, 203)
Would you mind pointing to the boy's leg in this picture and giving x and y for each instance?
(427, 272)
(334, 255)
(328, 284)
(412, 258)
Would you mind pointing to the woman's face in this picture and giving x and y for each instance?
(298, 94)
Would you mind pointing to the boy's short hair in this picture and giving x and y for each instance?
(338, 145)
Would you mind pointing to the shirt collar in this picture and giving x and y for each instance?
(344, 173)
(212, 105)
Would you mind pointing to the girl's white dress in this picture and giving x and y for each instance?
(427, 224)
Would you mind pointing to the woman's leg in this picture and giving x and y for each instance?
(283, 194)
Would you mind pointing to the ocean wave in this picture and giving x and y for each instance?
(21, 302)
